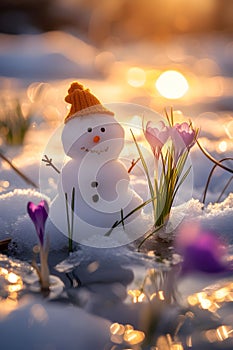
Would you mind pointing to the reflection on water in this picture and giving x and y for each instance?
(200, 319)
(168, 320)
(137, 295)
(219, 334)
(213, 298)
(156, 285)
(10, 285)
(126, 335)
(17, 276)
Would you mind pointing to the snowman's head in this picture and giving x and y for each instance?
(98, 135)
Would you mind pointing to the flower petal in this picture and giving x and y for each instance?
(202, 251)
(39, 214)
(156, 136)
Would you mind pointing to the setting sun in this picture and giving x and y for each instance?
(172, 84)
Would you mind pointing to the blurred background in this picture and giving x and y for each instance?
(105, 22)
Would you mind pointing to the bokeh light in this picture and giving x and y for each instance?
(172, 84)
(136, 77)
(137, 295)
(126, 334)
(222, 146)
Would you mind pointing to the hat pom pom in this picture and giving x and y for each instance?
(73, 87)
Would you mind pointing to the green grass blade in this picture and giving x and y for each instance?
(107, 234)
(72, 220)
(117, 223)
(181, 182)
(145, 169)
(122, 218)
(67, 214)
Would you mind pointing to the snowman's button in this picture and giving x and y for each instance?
(95, 198)
(94, 184)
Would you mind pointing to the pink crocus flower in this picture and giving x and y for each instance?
(156, 136)
(39, 214)
(183, 138)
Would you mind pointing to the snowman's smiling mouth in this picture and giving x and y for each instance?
(96, 151)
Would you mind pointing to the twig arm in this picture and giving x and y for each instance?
(49, 162)
(133, 163)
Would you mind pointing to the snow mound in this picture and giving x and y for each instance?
(16, 224)
(46, 56)
(217, 217)
(36, 325)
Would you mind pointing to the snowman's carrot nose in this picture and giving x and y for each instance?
(96, 138)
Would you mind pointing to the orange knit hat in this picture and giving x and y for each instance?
(83, 102)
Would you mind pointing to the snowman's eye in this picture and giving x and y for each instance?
(89, 129)
(102, 129)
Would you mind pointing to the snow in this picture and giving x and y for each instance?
(14, 218)
(46, 54)
(42, 325)
(15, 223)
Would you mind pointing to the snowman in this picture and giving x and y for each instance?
(93, 140)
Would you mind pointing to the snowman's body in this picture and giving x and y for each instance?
(100, 179)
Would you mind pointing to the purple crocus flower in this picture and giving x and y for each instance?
(202, 251)
(156, 136)
(183, 137)
(38, 214)
(186, 133)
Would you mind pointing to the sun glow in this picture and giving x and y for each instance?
(172, 84)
